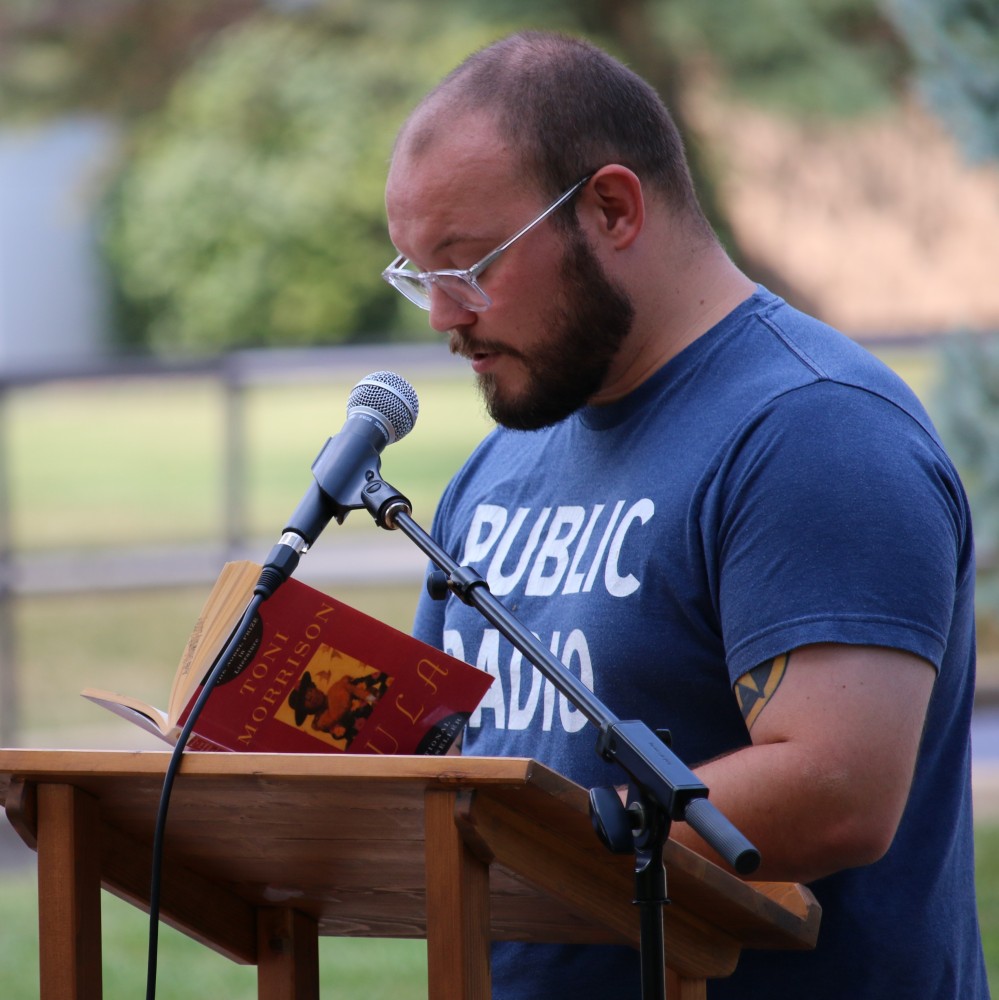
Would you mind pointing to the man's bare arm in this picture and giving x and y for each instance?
(835, 730)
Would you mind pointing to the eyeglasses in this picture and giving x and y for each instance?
(462, 286)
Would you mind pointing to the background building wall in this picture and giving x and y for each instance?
(53, 298)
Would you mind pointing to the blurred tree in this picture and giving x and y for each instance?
(956, 47)
(249, 211)
(111, 56)
(966, 408)
(955, 44)
(824, 58)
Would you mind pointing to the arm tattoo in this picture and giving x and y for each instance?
(753, 690)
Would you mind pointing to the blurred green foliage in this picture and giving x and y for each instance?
(827, 58)
(249, 210)
(247, 206)
(115, 57)
(966, 409)
(955, 44)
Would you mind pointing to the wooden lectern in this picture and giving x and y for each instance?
(266, 852)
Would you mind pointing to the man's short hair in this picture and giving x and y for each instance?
(570, 108)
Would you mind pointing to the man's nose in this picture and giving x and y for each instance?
(446, 313)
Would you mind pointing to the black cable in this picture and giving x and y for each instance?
(259, 596)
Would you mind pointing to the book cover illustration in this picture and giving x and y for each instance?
(311, 675)
(334, 697)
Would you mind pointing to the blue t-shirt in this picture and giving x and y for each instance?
(772, 486)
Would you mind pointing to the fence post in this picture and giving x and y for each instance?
(234, 460)
(9, 688)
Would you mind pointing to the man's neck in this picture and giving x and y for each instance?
(673, 317)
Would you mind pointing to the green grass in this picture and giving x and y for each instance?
(987, 881)
(142, 461)
(349, 968)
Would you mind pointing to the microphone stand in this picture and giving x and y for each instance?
(661, 788)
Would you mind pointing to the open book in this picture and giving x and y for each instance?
(312, 675)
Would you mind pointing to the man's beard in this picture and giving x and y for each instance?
(586, 329)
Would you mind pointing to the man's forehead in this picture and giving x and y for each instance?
(451, 183)
(451, 153)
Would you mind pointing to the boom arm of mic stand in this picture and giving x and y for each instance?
(662, 781)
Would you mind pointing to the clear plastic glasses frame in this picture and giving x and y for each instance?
(462, 286)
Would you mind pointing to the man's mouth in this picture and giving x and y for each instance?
(479, 353)
(482, 361)
(479, 357)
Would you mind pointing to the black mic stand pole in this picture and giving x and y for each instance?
(661, 788)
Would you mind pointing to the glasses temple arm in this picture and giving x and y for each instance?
(478, 268)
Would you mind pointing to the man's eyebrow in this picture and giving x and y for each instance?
(446, 242)
(452, 239)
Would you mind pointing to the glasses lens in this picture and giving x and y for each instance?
(410, 286)
(467, 295)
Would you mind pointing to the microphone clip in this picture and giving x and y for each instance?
(383, 502)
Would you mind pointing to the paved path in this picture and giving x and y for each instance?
(364, 557)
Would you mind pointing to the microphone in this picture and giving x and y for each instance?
(381, 409)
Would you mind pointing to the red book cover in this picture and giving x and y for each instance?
(311, 675)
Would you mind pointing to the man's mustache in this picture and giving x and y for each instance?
(465, 346)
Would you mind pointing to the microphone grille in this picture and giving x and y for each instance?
(391, 397)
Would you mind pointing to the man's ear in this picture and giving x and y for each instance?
(615, 193)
